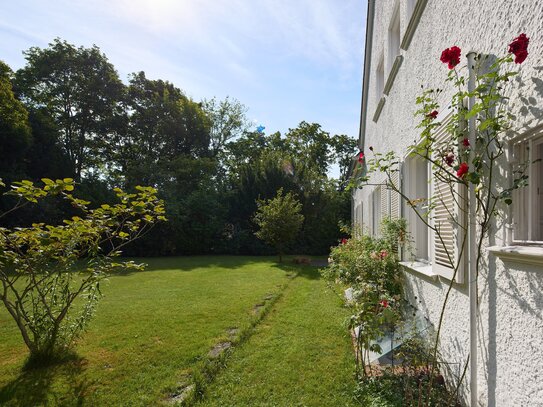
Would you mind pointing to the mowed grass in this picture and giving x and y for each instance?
(299, 355)
(150, 328)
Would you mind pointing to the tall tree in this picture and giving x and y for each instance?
(164, 128)
(80, 89)
(228, 120)
(15, 132)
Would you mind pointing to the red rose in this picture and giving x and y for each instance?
(519, 48)
(451, 56)
(383, 254)
(343, 241)
(462, 170)
(384, 303)
(361, 157)
(465, 142)
(449, 159)
(433, 114)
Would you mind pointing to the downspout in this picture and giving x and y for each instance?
(366, 78)
(472, 243)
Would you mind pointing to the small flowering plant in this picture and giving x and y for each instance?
(370, 266)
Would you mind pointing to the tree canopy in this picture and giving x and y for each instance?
(67, 114)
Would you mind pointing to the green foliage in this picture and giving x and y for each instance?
(51, 274)
(15, 133)
(228, 120)
(81, 90)
(279, 220)
(75, 117)
(370, 267)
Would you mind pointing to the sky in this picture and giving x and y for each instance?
(286, 60)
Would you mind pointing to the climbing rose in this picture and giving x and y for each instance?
(451, 56)
(433, 114)
(449, 159)
(383, 254)
(462, 170)
(465, 142)
(361, 157)
(384, 303)
(519, 48)
(343, 241)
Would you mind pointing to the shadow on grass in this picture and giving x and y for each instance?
(191, 263)
(303, 271)
(55, 384)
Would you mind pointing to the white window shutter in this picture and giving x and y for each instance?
(395, 198)
(384, 202)
(449, 218)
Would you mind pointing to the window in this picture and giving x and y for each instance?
(416, 187)
(394, 37)
(380, 79)
(394, 60)
(528, 200)
(414, 11)
(435, 254)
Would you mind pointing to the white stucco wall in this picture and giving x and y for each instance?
(511, 311)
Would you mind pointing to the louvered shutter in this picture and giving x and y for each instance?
(370, 214)
(384, 202)
(395, 198)
(448, 218)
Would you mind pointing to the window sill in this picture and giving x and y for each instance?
(379, 109)
(393, 72)
(519, 254)
(419, 267)
(413, 23)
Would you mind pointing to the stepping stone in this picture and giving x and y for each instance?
(219, 349)
(182, 395)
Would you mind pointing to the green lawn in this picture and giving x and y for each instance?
(299, 356)
(154, 327)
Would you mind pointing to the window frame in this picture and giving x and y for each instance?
(526, 206)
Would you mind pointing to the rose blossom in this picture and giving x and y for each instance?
(519, 48)
(462, 170)
(451, 56)
(465, 142)
(449, 159)
(343, 241)
(384, 303)
(361, 157)
(433, 114)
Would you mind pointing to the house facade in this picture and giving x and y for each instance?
(404, 41)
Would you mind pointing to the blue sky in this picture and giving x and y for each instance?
(286, 60)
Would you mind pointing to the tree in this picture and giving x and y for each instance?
(81, 90)
(163, 126)
(228, 121)
(15, 133)
(280, 220)
(50, 274)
